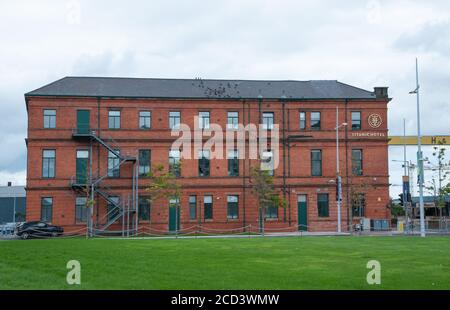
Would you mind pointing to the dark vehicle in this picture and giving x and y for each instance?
(38, 229)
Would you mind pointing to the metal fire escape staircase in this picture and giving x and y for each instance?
(124, 209)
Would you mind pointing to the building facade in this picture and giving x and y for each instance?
(99, 137)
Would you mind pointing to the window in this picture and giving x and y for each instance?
(233, 120)
(232, 207)
(358, 205)
(113, 164)
(208, 207)
(356, 120)
(233, 163)
(113, 207)
(114, 119)
(145, 119)
(192, 207)
(315, 120)
(302, 120)
(174, 202)
(174, 162)
(267, 120)
(48, 163)
(82, 171)
(174, 120)
(49, 118)
(144, 162)
(357, 164)
(267, 162)
(81, 209)
(144, 209)
(203, 163)
(271, 212)
(203, 120)
(46, 209)
(316, 163)
(322, 205)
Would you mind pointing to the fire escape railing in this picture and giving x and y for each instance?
(116, 210)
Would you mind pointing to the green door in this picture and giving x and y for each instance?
(82, 166)
(174, 216)
(302, 210)
(83, 121)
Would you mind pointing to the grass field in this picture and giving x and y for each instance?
(247, 263)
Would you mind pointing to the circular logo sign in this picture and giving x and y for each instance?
(375, 120)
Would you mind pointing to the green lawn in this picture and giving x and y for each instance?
(244, 263)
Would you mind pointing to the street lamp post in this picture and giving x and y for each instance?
(338, 176)
(419, 156)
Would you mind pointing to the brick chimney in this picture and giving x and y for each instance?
(381, 92)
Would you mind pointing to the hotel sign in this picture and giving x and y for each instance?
(374, 120)
(368, 134)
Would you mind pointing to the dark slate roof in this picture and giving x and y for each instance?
(199, 88)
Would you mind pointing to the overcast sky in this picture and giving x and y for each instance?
(363, 43)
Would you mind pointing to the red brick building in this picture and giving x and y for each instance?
(108, 132)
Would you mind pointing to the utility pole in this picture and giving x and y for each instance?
(14, 211)
(338, 176)
(404, 147)
(419, 155)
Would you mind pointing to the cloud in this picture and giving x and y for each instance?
(429, 38)
(17, 178)
(13, 155)
(104, 64)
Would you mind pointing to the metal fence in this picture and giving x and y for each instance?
(7, 231)
(433, 225)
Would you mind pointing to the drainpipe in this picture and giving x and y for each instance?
(98, 156)
(283, 107)
(243, 168)
(247, 171)
(346, 168)
(261, 218)
(91, 196)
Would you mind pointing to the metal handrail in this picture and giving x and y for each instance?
(93, 182)
(108, 141)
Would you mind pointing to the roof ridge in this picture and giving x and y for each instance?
(54, 82)
(191, 79)
(359, 88)
(141, 87)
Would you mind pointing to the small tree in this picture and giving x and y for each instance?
(357, 192)
(266, 193)
(164, 185)
(396, 210)
(437, 186)
(356, 198)
(86, 190)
